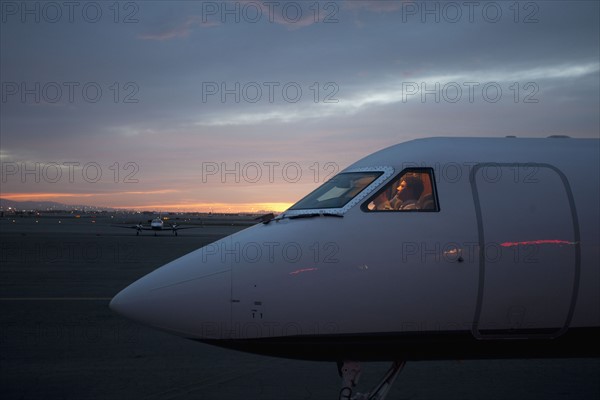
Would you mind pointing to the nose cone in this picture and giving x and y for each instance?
(184, 297)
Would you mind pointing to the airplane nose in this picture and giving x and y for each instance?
(184, 297)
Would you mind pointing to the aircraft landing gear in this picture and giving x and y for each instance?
(350, 372)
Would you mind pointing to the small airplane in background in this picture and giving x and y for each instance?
(157, 224)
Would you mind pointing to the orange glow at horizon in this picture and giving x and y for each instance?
(213, 207)
(41, 196)
(165, 207)
(54, 196)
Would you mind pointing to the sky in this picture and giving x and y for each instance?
(249, 105)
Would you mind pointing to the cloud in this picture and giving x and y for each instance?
(182, 30)
(173, 51)
(291, 14)
(390, 91)
(378, 6)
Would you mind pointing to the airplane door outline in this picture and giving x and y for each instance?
(483, 268)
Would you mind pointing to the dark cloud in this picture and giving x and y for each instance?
(162, 68)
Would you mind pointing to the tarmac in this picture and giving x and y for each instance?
(59, 339)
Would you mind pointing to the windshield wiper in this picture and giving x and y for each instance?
(327, 214)
(265, 219)
(309, 215)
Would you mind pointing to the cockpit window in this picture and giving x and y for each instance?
(412, 190)
(338, 191)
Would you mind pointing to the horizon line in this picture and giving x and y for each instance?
(256, 207)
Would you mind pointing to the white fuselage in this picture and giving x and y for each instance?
(512, 253)
(157, 224)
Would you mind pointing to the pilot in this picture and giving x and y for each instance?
(380, 202)
(408, 193)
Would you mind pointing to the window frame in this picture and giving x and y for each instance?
(434, 193)
(386, 173)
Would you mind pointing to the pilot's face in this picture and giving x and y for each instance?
(403, 190)
(401, 187)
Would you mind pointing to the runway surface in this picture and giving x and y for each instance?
(59, 340)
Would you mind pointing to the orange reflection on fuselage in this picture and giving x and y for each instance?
(534, 242)
(303, 270)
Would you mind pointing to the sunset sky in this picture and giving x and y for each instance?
(249, 105)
